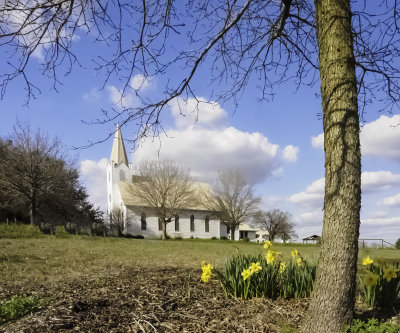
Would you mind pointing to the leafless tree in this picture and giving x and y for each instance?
(287, 231)
(355, 51)
(276, 222)
(33, 167)
(166, 188)
(118, 222)
(232, 200)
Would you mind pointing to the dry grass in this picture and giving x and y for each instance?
(121, 285)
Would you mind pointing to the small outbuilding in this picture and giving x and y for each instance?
(313, 239)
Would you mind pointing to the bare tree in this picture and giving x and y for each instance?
(33, 167)
(232, 200)
(166, 188)
(118, 221)
(276, 222)
(287, 231)
(354, 50)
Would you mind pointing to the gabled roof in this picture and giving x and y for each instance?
(246, 227)
(118, 152)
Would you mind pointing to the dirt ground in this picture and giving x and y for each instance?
(153, 300)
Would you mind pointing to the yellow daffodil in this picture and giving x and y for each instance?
(246, 273)
(371, 279)
(282, 267)
(255, 267)
(207, 272)
(294, 253)
(389, 273)
(267, 244)
(270, 256)
(367, 261)
(299, 261)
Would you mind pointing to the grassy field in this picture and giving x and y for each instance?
(74, 270)
(49, 259)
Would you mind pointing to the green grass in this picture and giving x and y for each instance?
(33, 258)
(19, 306)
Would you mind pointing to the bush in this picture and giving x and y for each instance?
(214, 238)
(17, 307)
(224, 238)
(397, 244)
(61, 232)
(14, 231)
(373, 325)
(133, 236)
(178, 238)
(246, 239)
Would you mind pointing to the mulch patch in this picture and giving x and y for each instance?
(154, 300)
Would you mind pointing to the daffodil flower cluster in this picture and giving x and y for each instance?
(271, 254)
(295, 254)
(207, 272)
(253, 269)
(282, 267)
(367, 261)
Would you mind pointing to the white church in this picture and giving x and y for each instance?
(139, 220)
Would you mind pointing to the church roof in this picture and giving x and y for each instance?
(118, 152)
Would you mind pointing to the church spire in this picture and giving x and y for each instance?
(118, 152)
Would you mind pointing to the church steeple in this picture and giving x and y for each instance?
(118, 152)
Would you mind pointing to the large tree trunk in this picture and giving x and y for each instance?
(332, 302)
(233, 233)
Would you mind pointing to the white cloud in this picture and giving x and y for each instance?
(318, 141)
(383, 221)
(92, 96)
(119, 98)
(290, 153)
(139, 82)
(128, 98)
(378, 138)
(392, 201)
(370, 182)
(378, 180)
(197, 113)
(381, 138)
(312, 196)
(94, 175)
(206, 152)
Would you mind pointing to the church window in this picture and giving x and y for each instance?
(159, 224)
(191, 223)
(176, 222)
(143, 222)
(109, 197)
(122, 175)
(207, 224)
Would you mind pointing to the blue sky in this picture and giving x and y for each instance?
(276, 144)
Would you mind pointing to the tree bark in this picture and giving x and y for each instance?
(164, 228)
(232, 233)
(32, 208)
(332, 302)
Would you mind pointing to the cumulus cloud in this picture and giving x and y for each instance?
(392, 201)
(197, 112)
(378, 180)
(370, 182)
(290, 153)
(378, 138)
(92, 96)
(312, 196)
(94, 175)
(128, 98)
(203, 142)
(381, 138)
(318, 141)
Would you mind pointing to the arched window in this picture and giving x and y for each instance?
(192, 223)
(143, 222)
(122, 177)
(177, 222)
(159, 224)
(207, 223)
